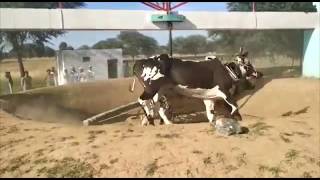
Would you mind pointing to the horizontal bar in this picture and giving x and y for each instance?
(88, 19)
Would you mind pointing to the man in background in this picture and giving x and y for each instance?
(55, 76)
(49, 78)
(82, 75)
(73, 75)
(8, 84)
(90, 74)
(26, 81)
(66, 76)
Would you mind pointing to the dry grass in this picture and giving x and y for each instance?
(68, 167)
(151, 168)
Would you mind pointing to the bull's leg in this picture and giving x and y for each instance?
(143, 99)
(232, 102)
(226, 96)
(209, 109)
(164, 108)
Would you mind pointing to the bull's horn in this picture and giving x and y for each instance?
(131, 88)
(241, 51)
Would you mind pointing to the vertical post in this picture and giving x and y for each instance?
(253, 6)
(168, 9)
(60, 5)
(170, 37)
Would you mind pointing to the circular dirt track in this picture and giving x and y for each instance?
(283, 141)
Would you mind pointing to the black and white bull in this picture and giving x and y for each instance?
(206, 80)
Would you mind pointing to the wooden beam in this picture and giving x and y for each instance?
(110, 114)
(89, 19)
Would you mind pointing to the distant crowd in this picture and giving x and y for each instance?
(25, 83)
(51, 78)
(81, 76)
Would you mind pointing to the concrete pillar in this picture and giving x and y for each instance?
(311, 50)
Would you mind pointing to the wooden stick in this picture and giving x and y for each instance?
(112, 112)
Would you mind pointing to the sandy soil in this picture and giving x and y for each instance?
(283, 141)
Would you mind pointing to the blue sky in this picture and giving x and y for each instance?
(78, 38)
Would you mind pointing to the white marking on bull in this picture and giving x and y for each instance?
(163, 116)
(205, 94)
(243, 70)
(209, 106)
(143, 103)
(155, 97)
(161, 110)
(152, 74)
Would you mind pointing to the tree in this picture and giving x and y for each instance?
(163, 49)
(135, 43)
(63, 45)
(177, 44)
(110, 43)
(149, 46)
(259, 42)
(69, 48)
(130, 41)
(18, 38)
(193, 44)
(49, 52)
(84, 47)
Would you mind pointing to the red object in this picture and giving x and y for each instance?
(166, 6)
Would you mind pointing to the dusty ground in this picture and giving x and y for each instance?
(283, 141)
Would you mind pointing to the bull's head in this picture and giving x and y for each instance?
(247, 69)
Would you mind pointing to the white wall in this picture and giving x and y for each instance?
(84, 19)
(98, 61)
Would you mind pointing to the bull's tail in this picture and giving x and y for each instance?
(131, 88)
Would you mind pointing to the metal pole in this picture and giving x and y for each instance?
(170, 37)
(60, 5)
(170, 28)
(253, 7)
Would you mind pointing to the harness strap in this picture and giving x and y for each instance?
(231, 73)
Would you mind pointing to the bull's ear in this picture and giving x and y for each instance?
(163, 57)
(164, 61)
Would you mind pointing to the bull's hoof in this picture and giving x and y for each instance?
(144, 122)
(228, 126)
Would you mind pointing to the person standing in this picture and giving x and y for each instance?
(90, 74)
(8, 86)
(73, 75)
(26, 81)
(55, 76)
(66, 77)
(82, 75)
(49, 78)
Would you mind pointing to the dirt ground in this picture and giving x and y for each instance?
(283, 141)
